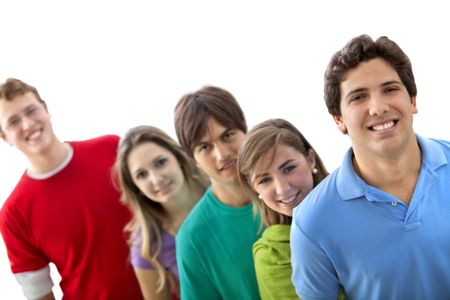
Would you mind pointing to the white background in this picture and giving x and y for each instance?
(106, 66)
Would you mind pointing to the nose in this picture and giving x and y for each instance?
(26, 122)
(378, 105)
(282, 186)
(155, 178)
(221, 151)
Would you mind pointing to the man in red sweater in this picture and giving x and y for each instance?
(65, 209)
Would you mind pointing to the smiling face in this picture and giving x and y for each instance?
(216, 153)
(25, 124)
(156, 172)
(283, 178)
(377, 111)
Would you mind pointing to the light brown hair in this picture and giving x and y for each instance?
(261, 139)
(149, 216)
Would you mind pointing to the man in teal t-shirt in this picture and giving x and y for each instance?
(214, 244)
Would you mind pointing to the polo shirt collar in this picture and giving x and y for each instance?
(351, 186)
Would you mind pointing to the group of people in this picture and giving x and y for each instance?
(228, 214)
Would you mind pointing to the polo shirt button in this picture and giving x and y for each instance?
(394, 203)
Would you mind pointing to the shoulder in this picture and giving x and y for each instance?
(198, 217)
(435, 152)
(324, 192)
(322, 203)
(103, 140)
(275, 239)
(18, 194)
(97, 146)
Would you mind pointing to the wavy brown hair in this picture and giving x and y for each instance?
(360, 49)
(149, 216)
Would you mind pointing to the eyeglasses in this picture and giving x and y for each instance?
(15, 122)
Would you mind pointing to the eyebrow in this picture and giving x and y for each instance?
(208, 141)
(391, 82)
(24, 110)
(285, 163)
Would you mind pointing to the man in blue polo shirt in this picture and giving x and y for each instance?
(379, 226)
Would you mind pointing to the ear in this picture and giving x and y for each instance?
(4, 138)
(340, 124)
(414, 105)
(311, 158)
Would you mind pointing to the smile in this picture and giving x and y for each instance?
(384, 126)
(228, 165)
(290, 199)
(163, 189)
(34, 135)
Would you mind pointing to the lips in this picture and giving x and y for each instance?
(164, 188)
(380, 126)
(290, 200)
(230, 164)
(34, 135)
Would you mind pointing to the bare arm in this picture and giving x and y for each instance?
(49, 296)
(148, 282)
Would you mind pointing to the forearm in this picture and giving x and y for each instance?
(49, 296)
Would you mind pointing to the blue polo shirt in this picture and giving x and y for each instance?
(350, 234)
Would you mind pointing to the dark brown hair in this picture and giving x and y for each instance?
(193, 111)
(361, 49)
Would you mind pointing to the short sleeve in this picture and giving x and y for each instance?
(313, 274)
(138, 261)
(194, 282)
(23, 254)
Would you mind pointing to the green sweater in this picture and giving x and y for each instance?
(272, 255)
(214, 251)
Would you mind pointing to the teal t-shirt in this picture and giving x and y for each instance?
(214, 251)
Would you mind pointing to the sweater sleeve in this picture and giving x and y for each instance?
(273, 269)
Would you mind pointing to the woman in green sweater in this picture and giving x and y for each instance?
(277, 167)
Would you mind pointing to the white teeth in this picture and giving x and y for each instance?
(34, 135)
(288, 200)
(383, 126)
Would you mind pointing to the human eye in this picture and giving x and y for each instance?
(13, 122)
(357, 97)
(140, 174)
(31, 111)
(391, 89)
(263, 180)
(289, 168)
(228, 135)
(203, 147)
(160, 162)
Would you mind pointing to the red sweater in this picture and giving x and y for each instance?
(75, 220)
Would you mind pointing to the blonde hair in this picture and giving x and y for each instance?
(149, 216)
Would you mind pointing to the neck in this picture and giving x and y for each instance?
(231, 195)
(396, 175)
(52, 158)
(178, 209)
